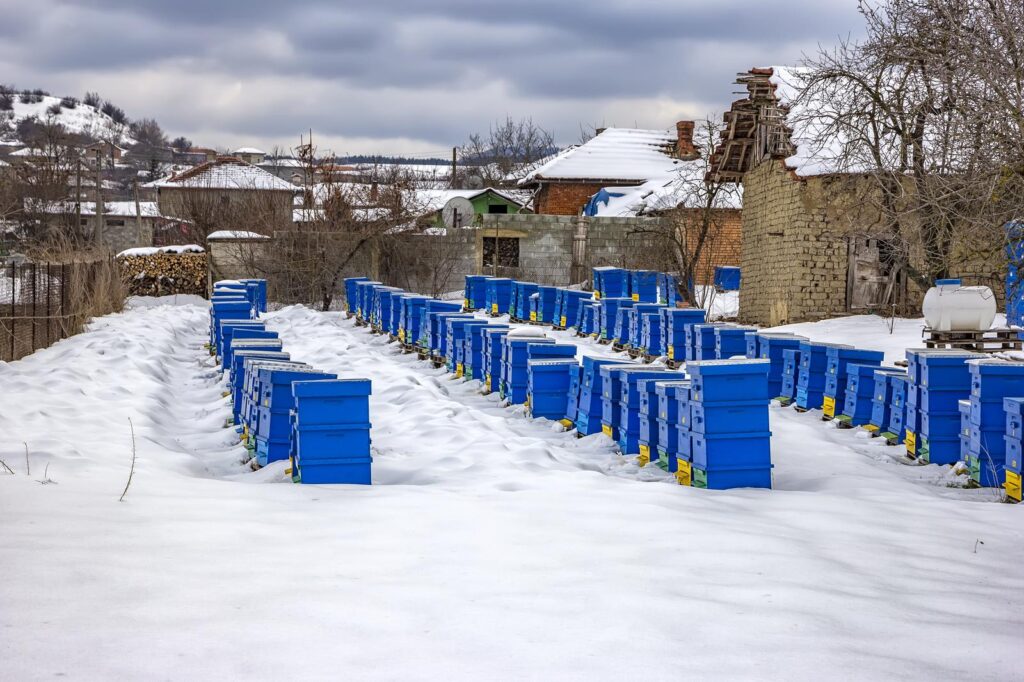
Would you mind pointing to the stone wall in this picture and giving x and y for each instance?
(128, 235)
(793, 264)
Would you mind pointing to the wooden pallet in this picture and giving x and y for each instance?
(674, 364)
(987, 341)
(618, 347)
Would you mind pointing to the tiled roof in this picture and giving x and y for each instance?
(227, 172)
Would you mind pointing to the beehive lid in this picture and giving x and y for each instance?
(738, 366)
(527, 332)
(552, 362)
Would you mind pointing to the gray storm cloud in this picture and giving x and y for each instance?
(405, 75)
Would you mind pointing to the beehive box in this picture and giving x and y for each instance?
(351, 303)
(548, 387)
(330, 432)
(628, 424)
(590, 408)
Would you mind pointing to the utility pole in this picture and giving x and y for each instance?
(98, 236)
(138, 211)
(455, 151)
(78, 193)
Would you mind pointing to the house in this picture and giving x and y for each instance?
(194, 155)
(250, 155)
(228, 190)
(107, 152)
(614, 157)
(487, 201)
(813, 246)
(125, 224)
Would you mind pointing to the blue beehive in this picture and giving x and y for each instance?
(939, 380)
(703, 339)
(455, 356)
(668, 421)
(572, 301)
(248, 413)
(226, 310)
(517, 374)
(433, 307)
(865, 385)
(241, 334)
(812, 376)
(1014, 409)
(611, 387)
(238, 372)
(731, 341)
(610, 282)
(643, 286)
(412, 317)
(474, 366)
(493, 358)
(1014, 279)
(476, 292)
(397, 307)
(498, 295)
(534, 306)
(439, 333)
(836, 375)
(513, 366)
(364, 289)
(609, 316)
(881, 398)
(523, 292)
(649, 444)
(628, 425)
(727, 278)
(992, 381)
(634, 332)
(227, 329)
(729, 437)
(790, 372)
(651, 338)
(272, 345)
(590, 316)
(965, 430)
(573, 408)
(273, 428)
(351, 303)
(546, 304)
(548, 386)
(590, 408)
(896, 431)
(330, 437)
(668, 289)
(620, 330)
(770, 347)
(677, 321)
(684, 440)
(381, 317)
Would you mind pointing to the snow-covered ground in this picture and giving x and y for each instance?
(490, 547)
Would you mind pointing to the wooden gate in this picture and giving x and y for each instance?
(874, 283)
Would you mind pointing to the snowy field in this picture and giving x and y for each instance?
(490, 547)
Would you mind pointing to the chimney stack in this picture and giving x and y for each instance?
(684, 141)
(598, 131)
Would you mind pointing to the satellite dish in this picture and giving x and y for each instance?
(458, 212)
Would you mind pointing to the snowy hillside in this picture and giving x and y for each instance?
(491, 546)
(83, 119)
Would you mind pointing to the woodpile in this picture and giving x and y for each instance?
(163, 272)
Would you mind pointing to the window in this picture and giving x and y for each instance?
(115, 223)
(508, 252)
(497, 208)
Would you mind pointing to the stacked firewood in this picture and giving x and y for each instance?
(163, 273)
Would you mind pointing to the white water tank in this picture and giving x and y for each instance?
(951, 307)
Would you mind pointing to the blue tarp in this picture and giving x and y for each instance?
(603, 196)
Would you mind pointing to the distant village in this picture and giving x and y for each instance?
(767, 186)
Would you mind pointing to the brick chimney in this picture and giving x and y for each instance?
(684, 141)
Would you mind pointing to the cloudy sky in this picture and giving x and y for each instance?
(404, 76)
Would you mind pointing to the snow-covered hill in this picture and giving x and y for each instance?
(83, 119)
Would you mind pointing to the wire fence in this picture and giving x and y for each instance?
(41, 303)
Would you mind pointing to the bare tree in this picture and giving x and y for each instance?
(930, 107)
(507, 147)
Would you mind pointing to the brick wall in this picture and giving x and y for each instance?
(564, 198)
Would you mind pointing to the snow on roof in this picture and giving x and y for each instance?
(226, 173)
(153, 250)
(279, 163)
(684, 187)
(430, 200)
(248, 150)
(235, 234)
(628, 154)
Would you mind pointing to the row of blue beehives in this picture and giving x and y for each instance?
(286, 409)
(728, 445)
(949, 406)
